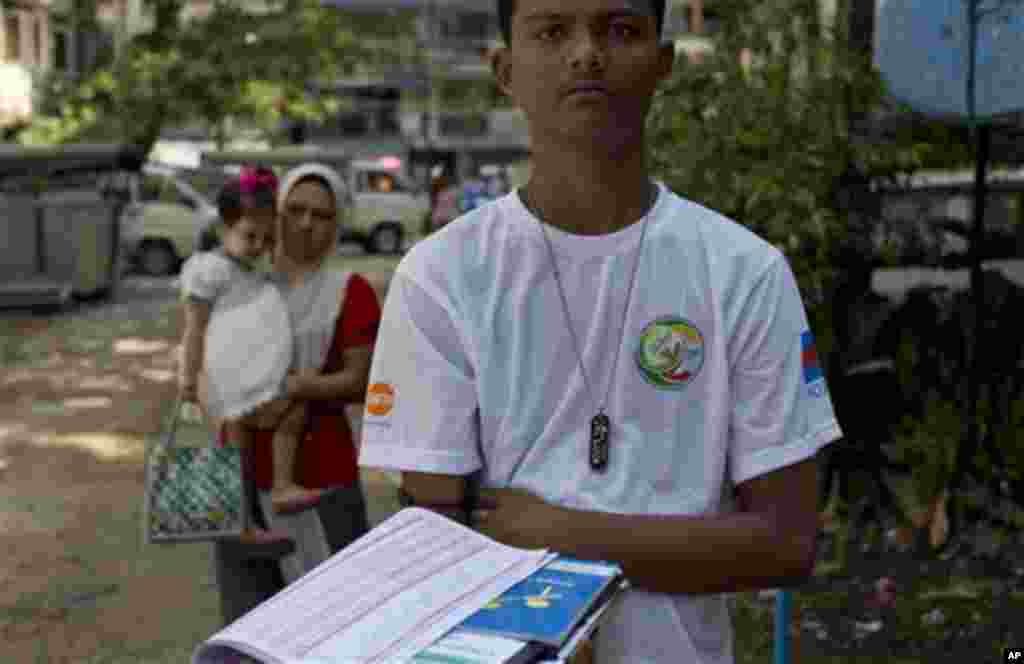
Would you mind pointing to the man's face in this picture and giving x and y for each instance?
(584, 69)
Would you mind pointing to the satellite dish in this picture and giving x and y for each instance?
(923, 54)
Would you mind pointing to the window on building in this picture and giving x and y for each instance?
(387, 120)
(677, 20)
(467, 94)
(463, 124)
(712, 24)
(467, 26)
(353, 124)
(12, 37)
(446, 27)
(60, 50)
(382, 104)
(37, 40)
(473, 26)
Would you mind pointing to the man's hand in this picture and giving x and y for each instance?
(515, 517)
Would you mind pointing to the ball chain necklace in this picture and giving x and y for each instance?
(600, 425)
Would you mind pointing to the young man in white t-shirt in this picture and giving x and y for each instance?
(626, 375)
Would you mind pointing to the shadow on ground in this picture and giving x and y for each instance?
(81, 395)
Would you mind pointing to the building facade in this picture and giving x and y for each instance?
(25, 55)
(445, 112)
(41, 38)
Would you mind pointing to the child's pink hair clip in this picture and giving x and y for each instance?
(254, 178)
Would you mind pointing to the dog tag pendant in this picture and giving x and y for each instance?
(600, 428)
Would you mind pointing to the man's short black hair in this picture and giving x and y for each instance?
(506, 8)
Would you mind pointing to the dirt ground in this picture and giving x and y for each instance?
(81, 393)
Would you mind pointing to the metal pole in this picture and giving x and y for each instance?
(969, 446)
(782, 604)
(981, 133)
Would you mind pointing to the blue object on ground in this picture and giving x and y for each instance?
(782, 627)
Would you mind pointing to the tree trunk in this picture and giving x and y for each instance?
(166, 28)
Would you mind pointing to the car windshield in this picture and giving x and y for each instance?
(384, 182)
(207, 182)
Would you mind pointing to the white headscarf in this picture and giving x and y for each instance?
(342, 196)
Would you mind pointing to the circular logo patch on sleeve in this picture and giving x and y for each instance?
(670, 353)
(380, 399)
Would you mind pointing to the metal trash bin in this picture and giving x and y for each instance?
(59, 226)
(82, 240)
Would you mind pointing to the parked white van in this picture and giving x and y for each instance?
(160, 224)
(388, 207)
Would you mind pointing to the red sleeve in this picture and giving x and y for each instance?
(360, 314)
(357, 324)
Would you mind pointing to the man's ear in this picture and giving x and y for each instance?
(501, 69)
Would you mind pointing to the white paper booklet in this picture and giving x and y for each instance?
(467, 648)
(381, 600)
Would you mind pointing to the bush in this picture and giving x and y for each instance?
(929, 447)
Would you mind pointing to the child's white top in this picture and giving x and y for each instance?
(717, 382)
(248, 340)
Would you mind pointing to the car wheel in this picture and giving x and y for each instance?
(157, 259)
(386, 239)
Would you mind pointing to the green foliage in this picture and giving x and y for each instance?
(767, 144)
(929, 446)
(229, 68)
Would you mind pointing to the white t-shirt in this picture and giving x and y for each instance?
(717, 382)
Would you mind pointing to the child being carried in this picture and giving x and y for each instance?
(233, 310)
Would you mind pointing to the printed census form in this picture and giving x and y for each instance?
(384, 598)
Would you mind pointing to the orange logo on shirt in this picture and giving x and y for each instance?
(380, 398)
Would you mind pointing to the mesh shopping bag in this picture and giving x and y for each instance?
(193, 492)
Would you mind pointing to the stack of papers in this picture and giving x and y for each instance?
(382, 600)
(461, 647)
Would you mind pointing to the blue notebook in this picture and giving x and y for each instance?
(547, 606)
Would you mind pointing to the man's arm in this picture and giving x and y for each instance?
(444, 494)
(769, 542)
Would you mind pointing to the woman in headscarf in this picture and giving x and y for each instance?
(334, 316)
